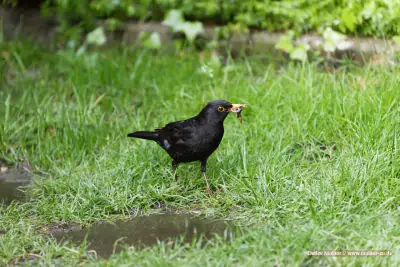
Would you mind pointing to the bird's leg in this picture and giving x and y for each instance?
(204, 170)
(174, 167)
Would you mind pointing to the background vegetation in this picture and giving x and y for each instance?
(361, 17)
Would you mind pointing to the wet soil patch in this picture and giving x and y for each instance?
(12, 181)
(145, 231)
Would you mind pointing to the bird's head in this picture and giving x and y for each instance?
(217, 110)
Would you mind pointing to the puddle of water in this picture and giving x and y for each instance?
(146, 231)
(9, 191)
(10, 181)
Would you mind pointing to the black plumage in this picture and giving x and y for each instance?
(194, 139)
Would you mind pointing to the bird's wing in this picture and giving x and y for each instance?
(177, 134)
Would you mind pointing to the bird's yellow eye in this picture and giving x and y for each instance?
(221, 109)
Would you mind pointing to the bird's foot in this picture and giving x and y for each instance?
(210, 193)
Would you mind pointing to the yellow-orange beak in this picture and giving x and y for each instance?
(237, 108)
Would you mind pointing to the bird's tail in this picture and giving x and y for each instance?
(145, 135)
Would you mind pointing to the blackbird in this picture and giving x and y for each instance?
(194, 139)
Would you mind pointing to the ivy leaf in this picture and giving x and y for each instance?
(191, 29)
(331, 39)
(349, 19)
(300, 52)
(130, 11)
(96, 37)
(173, 19)
(369, 10)
(285, 44)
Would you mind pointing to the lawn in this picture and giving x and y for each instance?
(315, 164)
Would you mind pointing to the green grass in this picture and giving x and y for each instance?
(68, 116)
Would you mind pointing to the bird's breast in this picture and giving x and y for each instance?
(209, 138)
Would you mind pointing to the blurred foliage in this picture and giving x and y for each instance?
(175, 20)
(330, 41)
(364, 17)
(9, 2)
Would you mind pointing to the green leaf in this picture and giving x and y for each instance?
(300, 52)
(96, 37)
(191, 29)
(349, 19)
(173, 19)
(285, 44)
(331, 39)
(130, 11)
(369, 10)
